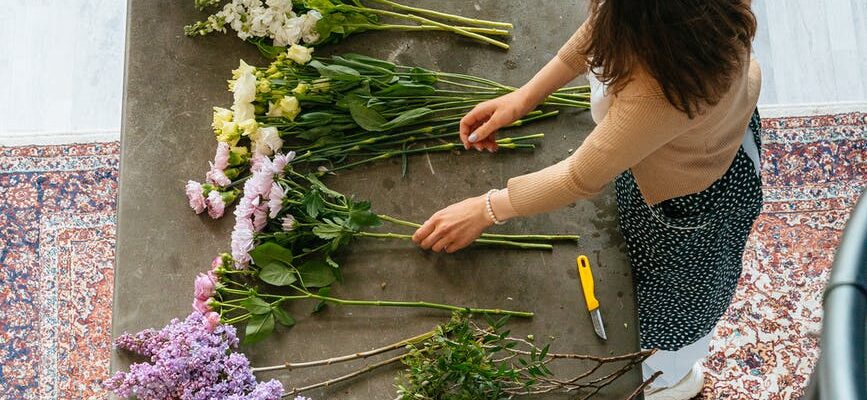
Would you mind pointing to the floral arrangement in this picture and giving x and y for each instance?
(194, 359)
(317, 22)
(342, 112)
(288, 227)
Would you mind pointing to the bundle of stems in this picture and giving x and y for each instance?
(345, 111)
(320, 22)
(461, 359)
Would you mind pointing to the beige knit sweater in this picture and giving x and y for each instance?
(669, 154)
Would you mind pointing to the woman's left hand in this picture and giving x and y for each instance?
(454, 227)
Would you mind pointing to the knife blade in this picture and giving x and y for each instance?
(586, 276)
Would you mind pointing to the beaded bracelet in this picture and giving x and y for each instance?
(491, 209)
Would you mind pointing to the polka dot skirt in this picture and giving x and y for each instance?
(686, 252)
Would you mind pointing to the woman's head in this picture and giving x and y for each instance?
(693, 48)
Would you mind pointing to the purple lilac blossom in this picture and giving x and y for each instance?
(189, 362)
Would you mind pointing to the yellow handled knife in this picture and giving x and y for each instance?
(586, 276)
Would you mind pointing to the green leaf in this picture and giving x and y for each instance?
(331, 262)
(256, 306)
(406, 89)
(336, 72)
(283, 317)
(408, 117)
(313, 203)
(258, 328)
(316, 273)
(370, 61)
(363, 218)
(267, 50)
(270, 253)
(277, 274)
(367, 118)
(327, 232)
(321, 186)
(422, 75)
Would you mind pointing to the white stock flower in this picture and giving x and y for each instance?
(287, 107)
(308, 26)
(299, 54)
(280, 5)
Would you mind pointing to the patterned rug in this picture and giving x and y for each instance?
(57, 234)
(814, 169)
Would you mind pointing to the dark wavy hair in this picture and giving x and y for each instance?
(693, 48)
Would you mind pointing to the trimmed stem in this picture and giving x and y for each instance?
(426, 21)
(398, 27)
(397, 221)
(415, 304)
(452, 17)
(492, 242)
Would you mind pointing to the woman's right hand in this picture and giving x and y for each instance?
(479, 127)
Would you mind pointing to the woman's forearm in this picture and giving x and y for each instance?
(551, 77)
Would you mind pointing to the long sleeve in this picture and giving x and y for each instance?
(634, 127)
(571, 53)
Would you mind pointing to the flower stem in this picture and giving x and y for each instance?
(415, 304)
(397, 221)
(452, 17)
(426, 21)
(398, 27)
(491, 242)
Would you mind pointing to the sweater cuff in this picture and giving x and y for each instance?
(545, 190)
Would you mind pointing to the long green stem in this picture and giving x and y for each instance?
(398, 27)
(414, 304)
(492, 242)
(437, 14)
(426, 21)
(410, 224)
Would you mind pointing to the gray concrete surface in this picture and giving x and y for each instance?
(173, 81)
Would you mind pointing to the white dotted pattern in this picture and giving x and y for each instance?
(686, 259)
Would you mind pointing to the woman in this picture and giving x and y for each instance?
(678, 133)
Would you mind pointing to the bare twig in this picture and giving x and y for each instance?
(644, 385)
(348, 357)
(345, 377)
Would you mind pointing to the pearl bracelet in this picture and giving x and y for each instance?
(491, 209)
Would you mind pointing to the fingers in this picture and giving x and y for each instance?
(476, 117)
(422, 233)
(486, 129)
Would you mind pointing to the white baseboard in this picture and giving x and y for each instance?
(55, 138)
(807, 110)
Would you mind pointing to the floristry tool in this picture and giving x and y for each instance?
(586, 276)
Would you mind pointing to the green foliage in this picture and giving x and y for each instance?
(463, 362)
(259, 327)
(277, 275)
(316, 273)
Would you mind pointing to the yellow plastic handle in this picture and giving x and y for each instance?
(586, 276)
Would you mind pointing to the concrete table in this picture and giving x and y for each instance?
(173, 81)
